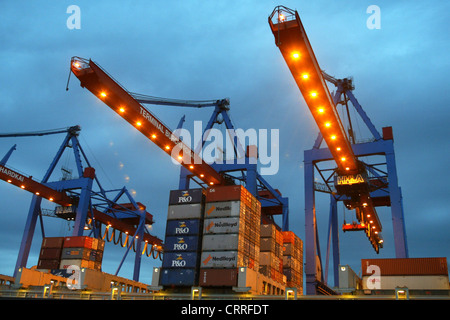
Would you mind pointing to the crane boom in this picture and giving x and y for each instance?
(351, 179)
(103, 86)
(28, 184)
(292, 41)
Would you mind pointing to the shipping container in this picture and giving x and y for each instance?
(53, 242)
(218, 277)
(185, 211)
(48, 264)
(268, 231)
(181, 243)
(224, 209)
(190, 196)
(223, 225)
(76, 253)
(50, 253)
(183, 227)
(178, 277)
(223, 242)
(78, 242)
(227, 193)
(80, 263)
(221, 259)
(180, 260)
(406, 266)
(290, 250)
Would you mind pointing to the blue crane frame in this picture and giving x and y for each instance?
(85, 204)
(379, 146)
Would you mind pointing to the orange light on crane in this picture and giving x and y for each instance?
(305, 76)
(153, 136)
(139, 123)
(191, 167)
(321, 110)
(333, 137)
(122, 109)
(327, 124)
(22, 186)
(343, 159)
(167, 147)
(296, 55)
(313, 94)
(103, 94)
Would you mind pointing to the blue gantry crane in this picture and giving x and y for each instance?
(98, 212)
(130, 106)
(360, 185)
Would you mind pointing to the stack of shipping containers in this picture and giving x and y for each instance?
(61, 253)
(183, 238)
(83, 252)
(230, 235)
(271, 255)
(50, 254)
(293, 260)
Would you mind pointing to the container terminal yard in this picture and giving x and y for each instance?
(228, 228)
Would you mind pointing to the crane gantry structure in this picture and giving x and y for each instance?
(84, 201)
(360, 185)
(130, 106)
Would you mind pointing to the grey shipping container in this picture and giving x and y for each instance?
(75, 253)
(181, 243)
(185, 211)
(223, 209)
(221, 259)
(178, 277)
(189, 196)
(180, 260)
(221, 242)
(223, 225)
(183, 227)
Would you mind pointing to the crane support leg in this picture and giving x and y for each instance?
(82, 208)
(28, 233)
(398, 222)
(311, 274)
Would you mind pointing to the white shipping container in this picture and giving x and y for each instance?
(418, 282)
(220, 242)
(223, 225)
(185, 211)
(223, 209)
(221, 259)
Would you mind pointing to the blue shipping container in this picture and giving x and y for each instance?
(178, 277)
(183, 227)
(181, 243)
(180, 259)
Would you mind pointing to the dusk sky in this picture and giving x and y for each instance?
(225, 49)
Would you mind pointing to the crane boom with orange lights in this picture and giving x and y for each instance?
(351, 179)
(102, 85)
(291, 39)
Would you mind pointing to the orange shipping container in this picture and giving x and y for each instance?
(406, 266)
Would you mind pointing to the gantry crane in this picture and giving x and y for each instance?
(130, 106)
(358, 184)
(78, 201)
